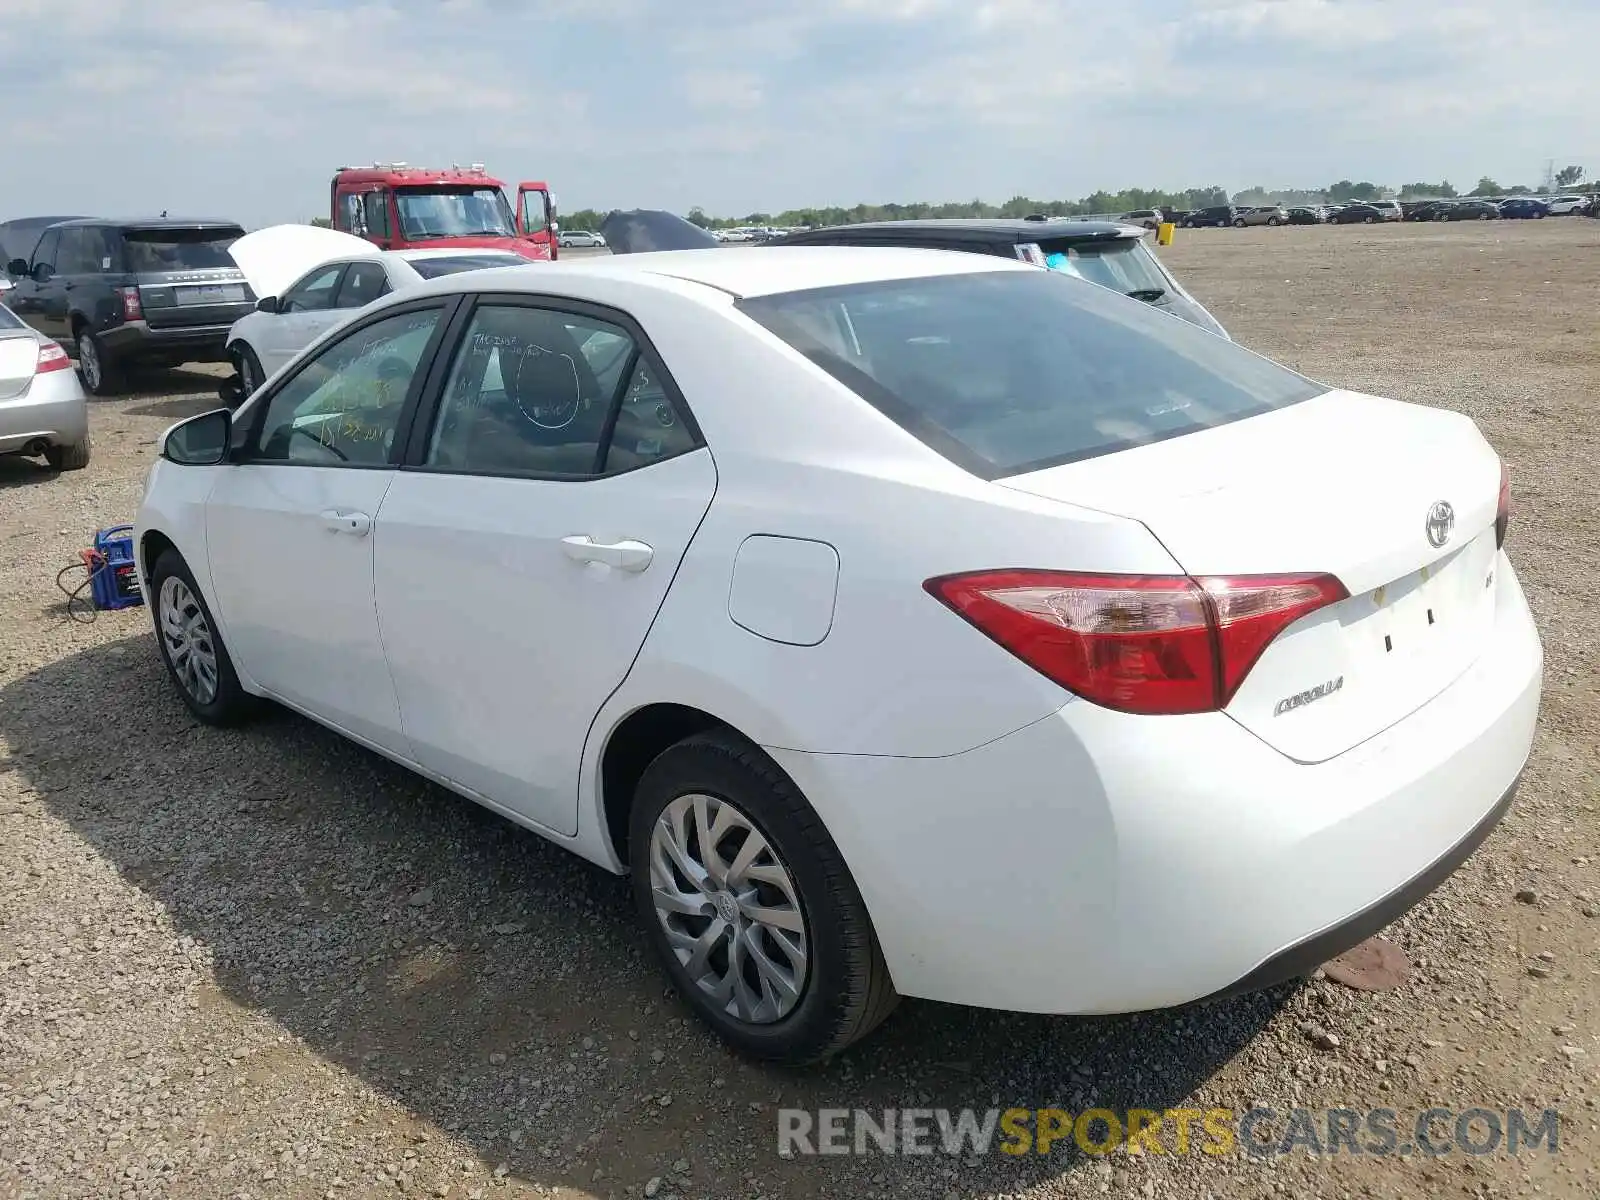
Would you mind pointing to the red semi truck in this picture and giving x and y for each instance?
(399, 207)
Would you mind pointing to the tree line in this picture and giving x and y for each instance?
(1128, 200)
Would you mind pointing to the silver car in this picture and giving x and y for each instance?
(1271, 214)
(42, 406)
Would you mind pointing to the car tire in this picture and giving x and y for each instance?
(248, 366)
(101, 375)
(1238, 222)
(1483, 216)
(68, 458)
(841, 987)
(1369, 220)
(197, 660)
(1274, 221)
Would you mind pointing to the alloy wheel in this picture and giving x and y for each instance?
(89, 361)
(187, 636)
(730, 908)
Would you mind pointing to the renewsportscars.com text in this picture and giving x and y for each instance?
(1216, 1131)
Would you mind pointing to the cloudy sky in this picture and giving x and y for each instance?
(242, 108)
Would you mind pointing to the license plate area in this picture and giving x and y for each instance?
(1429, 612)
(211, 293)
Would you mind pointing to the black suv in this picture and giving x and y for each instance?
(130, 294)
(1220, 214)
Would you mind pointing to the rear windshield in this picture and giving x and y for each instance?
(179, 249)
(432, 268)
(1015, 371)
(1124, 265)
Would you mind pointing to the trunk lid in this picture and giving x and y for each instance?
(185, 275)
(1344, 484)
(19, 358)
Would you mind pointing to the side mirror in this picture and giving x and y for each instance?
(17, 266)
(200, 441)
(267, 304)
(42, 272)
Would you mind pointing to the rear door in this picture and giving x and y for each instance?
(186, 277)
(522, 555)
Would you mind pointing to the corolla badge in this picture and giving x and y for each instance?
(1309, 696)
(1441, 522)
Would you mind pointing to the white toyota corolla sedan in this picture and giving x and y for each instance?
(903, 622)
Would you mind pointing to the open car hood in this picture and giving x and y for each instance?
(641, 230)
(273, 258)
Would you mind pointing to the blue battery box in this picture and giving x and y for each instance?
(113, 576)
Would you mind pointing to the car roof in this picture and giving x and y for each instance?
(151, 223)
(966, 229)
(762, 271)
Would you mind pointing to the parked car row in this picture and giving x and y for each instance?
(1370, 212)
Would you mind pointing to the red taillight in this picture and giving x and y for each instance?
(131, 309)
(52, 358)
(1137, 643)
(1502, 513)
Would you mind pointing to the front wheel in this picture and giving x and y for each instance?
(197, 661)
(248, 365)
(1238, 223)
(1483, 216)
(1369, 220)
(1274, 221)
(749, 906)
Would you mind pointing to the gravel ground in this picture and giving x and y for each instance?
(265, 963)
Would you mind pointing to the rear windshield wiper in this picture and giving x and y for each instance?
(1149, 295)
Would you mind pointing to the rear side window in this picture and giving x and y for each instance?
(1015, 371)
(170, 249)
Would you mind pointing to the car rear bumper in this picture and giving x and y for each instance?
(1098, 862)
(52, 410)
(186, 343)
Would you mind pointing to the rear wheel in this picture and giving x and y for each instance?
(1368, 220)
(68, 458)
(1238, 222)
(749, 906)
(101, 376)
(1274, 221)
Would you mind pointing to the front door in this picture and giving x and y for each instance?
(536, 215)
(522, 559)
(306, 311)
(290, 525)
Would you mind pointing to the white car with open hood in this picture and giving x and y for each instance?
(311, 279)
(903, 622)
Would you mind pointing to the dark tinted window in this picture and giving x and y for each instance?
(79, 252)
(315, 292)
(1013, 371)
(363, 283)
(169, 249)
(532, 393)
(432, 268)
(45, 251)
(9, 319)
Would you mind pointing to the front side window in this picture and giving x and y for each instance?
(1014, 371)
(315, 292)
(375, 213)
(437, 212)
(44, 254)
(343, 407)
(532, 392)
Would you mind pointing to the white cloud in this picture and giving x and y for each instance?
(245, 106)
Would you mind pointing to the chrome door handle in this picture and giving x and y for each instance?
(626, 555)
(338, 520)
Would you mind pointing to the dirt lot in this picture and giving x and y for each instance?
(265, 963)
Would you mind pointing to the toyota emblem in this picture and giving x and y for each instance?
(1441, 522)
